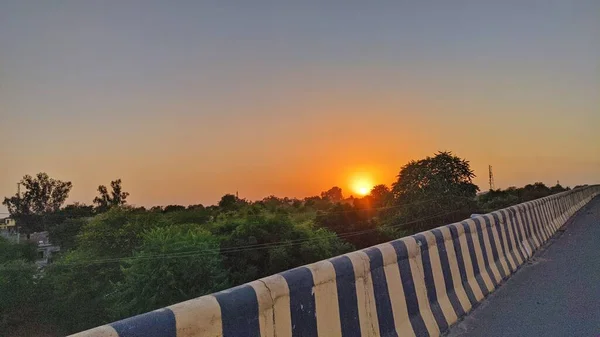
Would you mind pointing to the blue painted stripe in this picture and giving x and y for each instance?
(302, 302)
(525, 227)
(448, 281)
(498, 225)
(540, 220)
(534, 224)
(530, 226)
(438, 314)
(347, 300)
(548, 218)
(160, 323)
(515, 235)
(520, 230)
(551, 217)
(476, 266)
(552, 212)
(539, 208)
(555, 210)
(387, 326)
(486, 261)
(239, 311)
(461, 265)
(495, 254)
(509, 242)
(410, 293)
(561, 207)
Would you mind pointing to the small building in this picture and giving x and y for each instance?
(45, 249)
(8, 224)
(8, 229)
(45, 252)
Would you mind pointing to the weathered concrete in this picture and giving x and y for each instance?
(557, 293)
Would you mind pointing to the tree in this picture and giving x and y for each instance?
(230, 202)
(497, 199)
(152, 281)
(78, 290)
(558, 188)
(343, 218)
(16, 293)
(442, 184)
(316, 202)
(284, 245)
(173, 208)
(116, 197)
(380, 195)
(118, 232)
(535, 191)
(43, 195)
(334, 194)
(65, 233)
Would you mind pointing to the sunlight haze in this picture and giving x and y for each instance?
(188, 101)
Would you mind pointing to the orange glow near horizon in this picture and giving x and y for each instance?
(361, 184)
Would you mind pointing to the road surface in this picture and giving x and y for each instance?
(557, 293)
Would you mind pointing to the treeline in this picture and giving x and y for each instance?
(119, 260)
(497, 199)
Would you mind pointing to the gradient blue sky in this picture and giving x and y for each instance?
(188, 100)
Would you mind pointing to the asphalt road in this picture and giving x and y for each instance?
(557, 293)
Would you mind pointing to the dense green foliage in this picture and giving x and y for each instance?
(497, 199)
(118, 260)
(434, 191)
(173, 264)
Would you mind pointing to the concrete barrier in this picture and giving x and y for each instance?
(415, 286)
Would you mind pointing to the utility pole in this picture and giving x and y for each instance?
(491, 178)
(18, 210)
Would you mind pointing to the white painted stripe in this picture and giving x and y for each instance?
(101, 331)
(495, 227)
(438, 279)
(488, 250)
(274, 312)
(514, 238)
(326, 299)
(503, 246)
(396, 290)
(200, 317)
(365, 295)
(477, 291)
(454, 271)
(487, 278)
(416, 268)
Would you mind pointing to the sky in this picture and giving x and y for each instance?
(186, 101)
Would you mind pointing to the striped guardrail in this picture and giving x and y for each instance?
(414, 286)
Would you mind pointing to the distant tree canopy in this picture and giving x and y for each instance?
(497, 199)
(438, 185)
(107, 200)
(42, 195)
(381, 196)
(230, 202)
(173, 208)
(334, 194)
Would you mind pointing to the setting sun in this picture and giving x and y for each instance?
(363, 190)
(361, 185)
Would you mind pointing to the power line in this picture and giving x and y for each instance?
(238, 249)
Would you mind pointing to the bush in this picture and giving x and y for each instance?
(172, 265)
(17, 288)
